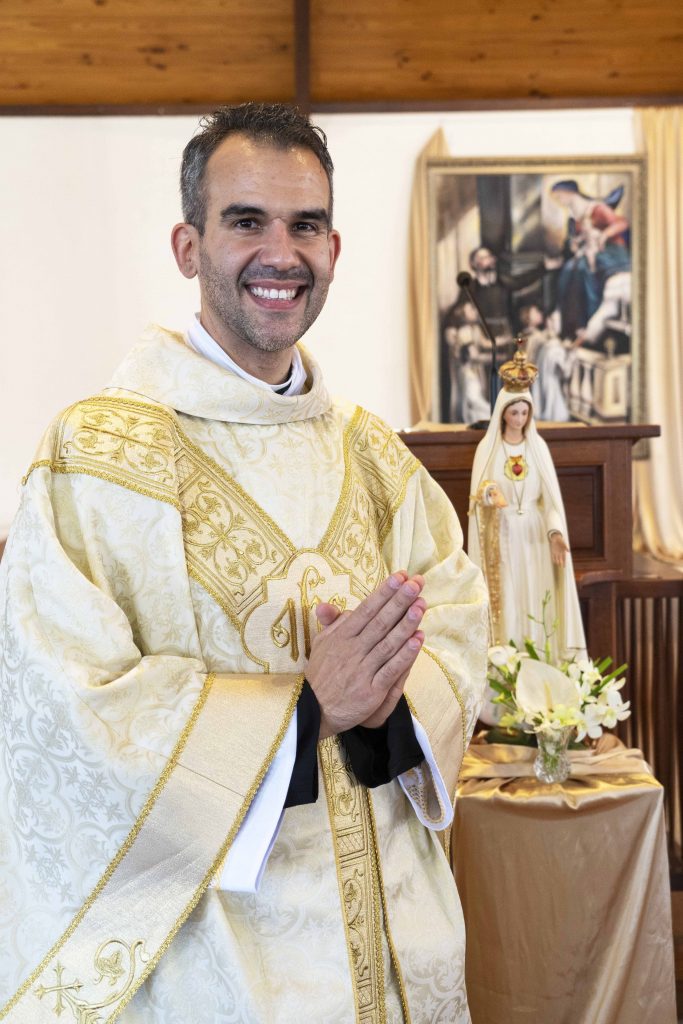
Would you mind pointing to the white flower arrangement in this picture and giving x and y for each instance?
(541, 697)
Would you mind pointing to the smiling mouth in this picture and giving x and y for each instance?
(276, 296)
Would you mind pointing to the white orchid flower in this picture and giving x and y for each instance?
(504, 656)
(611, 698)
(613, 709)
(585, 689)
(589, 673)
(592, 723)
(613, 688)
(541, 688)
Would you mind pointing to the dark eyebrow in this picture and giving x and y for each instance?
(320, 215)
(238, 210)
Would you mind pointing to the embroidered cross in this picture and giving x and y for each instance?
(62, 991)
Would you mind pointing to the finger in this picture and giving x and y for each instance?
(385, 648)
(392, 612)
(375, 601)
(326, 614)
(391, 672)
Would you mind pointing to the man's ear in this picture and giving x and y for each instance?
(185, 245)
(334, 243)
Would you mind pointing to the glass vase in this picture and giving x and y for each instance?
(552, 761)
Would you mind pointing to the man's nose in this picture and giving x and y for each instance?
(279, 249)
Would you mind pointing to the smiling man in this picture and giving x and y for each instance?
(244, 652)
(261, 241)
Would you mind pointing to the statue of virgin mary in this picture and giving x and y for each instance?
(522, 542)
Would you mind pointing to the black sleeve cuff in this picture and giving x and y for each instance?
(379, 755)
(303, 785)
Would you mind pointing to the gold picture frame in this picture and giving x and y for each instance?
(555, 251)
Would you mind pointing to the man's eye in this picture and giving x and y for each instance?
(306, 228)
(246, 223)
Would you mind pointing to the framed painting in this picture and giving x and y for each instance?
(555, 253)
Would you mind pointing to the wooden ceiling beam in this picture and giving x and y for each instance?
(119, 56)
(379, 107)
(302, 55)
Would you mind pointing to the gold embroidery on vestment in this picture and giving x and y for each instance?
(445, 834)
(151, 961)
(282, 618)
(247, 563)
(230, 542)
(121, 853)
(377, 468)
(223, 852)
(387, 928)
(358, 878)
(456, 692)
(233, 548)
(67, 994)
(236, 551)
(119, 440)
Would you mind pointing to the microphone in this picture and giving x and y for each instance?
(464, 280)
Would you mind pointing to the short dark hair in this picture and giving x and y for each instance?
(274, 124)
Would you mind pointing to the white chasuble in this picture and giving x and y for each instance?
(159, 586)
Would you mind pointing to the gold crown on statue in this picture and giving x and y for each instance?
(517, 374)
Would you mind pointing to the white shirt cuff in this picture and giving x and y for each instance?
(425, 788)
(247, 857)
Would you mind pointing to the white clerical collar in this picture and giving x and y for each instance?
(202, 342)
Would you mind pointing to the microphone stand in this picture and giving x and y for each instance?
(464, 281)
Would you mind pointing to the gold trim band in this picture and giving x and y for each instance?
(175, 847)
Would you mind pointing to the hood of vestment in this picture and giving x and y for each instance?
(166, 370)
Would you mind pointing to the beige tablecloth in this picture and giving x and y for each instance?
(565, 890)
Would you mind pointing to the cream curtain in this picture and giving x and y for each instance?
(420, 325)
(659, 480)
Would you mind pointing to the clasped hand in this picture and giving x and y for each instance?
(360, 661)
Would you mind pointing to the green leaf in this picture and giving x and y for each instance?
(613, 675)
(531, 650)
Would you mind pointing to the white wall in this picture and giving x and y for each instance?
(86, 207)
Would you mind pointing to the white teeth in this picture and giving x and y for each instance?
(284, 294)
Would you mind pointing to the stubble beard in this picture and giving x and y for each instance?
(225, 302)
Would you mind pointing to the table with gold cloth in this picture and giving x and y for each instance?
(565, 889)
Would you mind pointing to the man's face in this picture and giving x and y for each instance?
(484, 260)
(267, 255)
(531, 316)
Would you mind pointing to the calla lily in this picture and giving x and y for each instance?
(542, 687)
